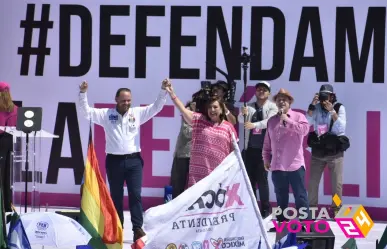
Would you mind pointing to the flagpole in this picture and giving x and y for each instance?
(250, 190)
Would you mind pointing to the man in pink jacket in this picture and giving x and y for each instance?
(283, 152)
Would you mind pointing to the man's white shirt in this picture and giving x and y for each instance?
(121, 131)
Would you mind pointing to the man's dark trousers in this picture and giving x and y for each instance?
(296, 179)
(258, 175)
(126, 168)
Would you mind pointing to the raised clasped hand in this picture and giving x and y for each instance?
(83, 86)
(166, 83)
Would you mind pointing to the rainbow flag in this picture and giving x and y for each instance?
(98, 214)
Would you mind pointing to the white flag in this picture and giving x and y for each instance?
(218, 212)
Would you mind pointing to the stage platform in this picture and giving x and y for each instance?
(368, 243)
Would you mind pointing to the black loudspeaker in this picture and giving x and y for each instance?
(73, 214)
(29, 119)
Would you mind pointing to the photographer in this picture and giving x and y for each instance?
(221, 89)
(327, 141)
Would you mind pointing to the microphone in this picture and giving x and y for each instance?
(281, 111)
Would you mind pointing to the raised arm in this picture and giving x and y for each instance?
(186, 129)
(340, 121)
(187, 114)
(97, 116)
(311, 113)
(311, 117)
(148, 112)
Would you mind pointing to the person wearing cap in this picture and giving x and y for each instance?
(283, 152)
(221, 89)
(257, 114)
(327, 117)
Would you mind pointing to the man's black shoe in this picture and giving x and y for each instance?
(265, 214)
(137, 234)
(272, 230)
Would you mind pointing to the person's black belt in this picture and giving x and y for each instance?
(125, 156)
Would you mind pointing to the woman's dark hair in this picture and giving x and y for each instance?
(221, 104)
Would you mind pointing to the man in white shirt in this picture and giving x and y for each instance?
(123, 159)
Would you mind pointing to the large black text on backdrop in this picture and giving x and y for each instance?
(284, 39)
(344, 35)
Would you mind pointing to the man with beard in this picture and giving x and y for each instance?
(123, 159)
(257, 114)
(221, 89)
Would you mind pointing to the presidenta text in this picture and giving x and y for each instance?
(225, 198)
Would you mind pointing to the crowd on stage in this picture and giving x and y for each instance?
(273, 142)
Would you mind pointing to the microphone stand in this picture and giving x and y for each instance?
(26, 175)
(245, 60)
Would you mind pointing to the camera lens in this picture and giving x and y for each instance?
(323, 97)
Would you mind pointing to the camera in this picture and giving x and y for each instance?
(206, 85)
(323, 97)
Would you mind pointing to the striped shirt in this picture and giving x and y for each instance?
(211, 144)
